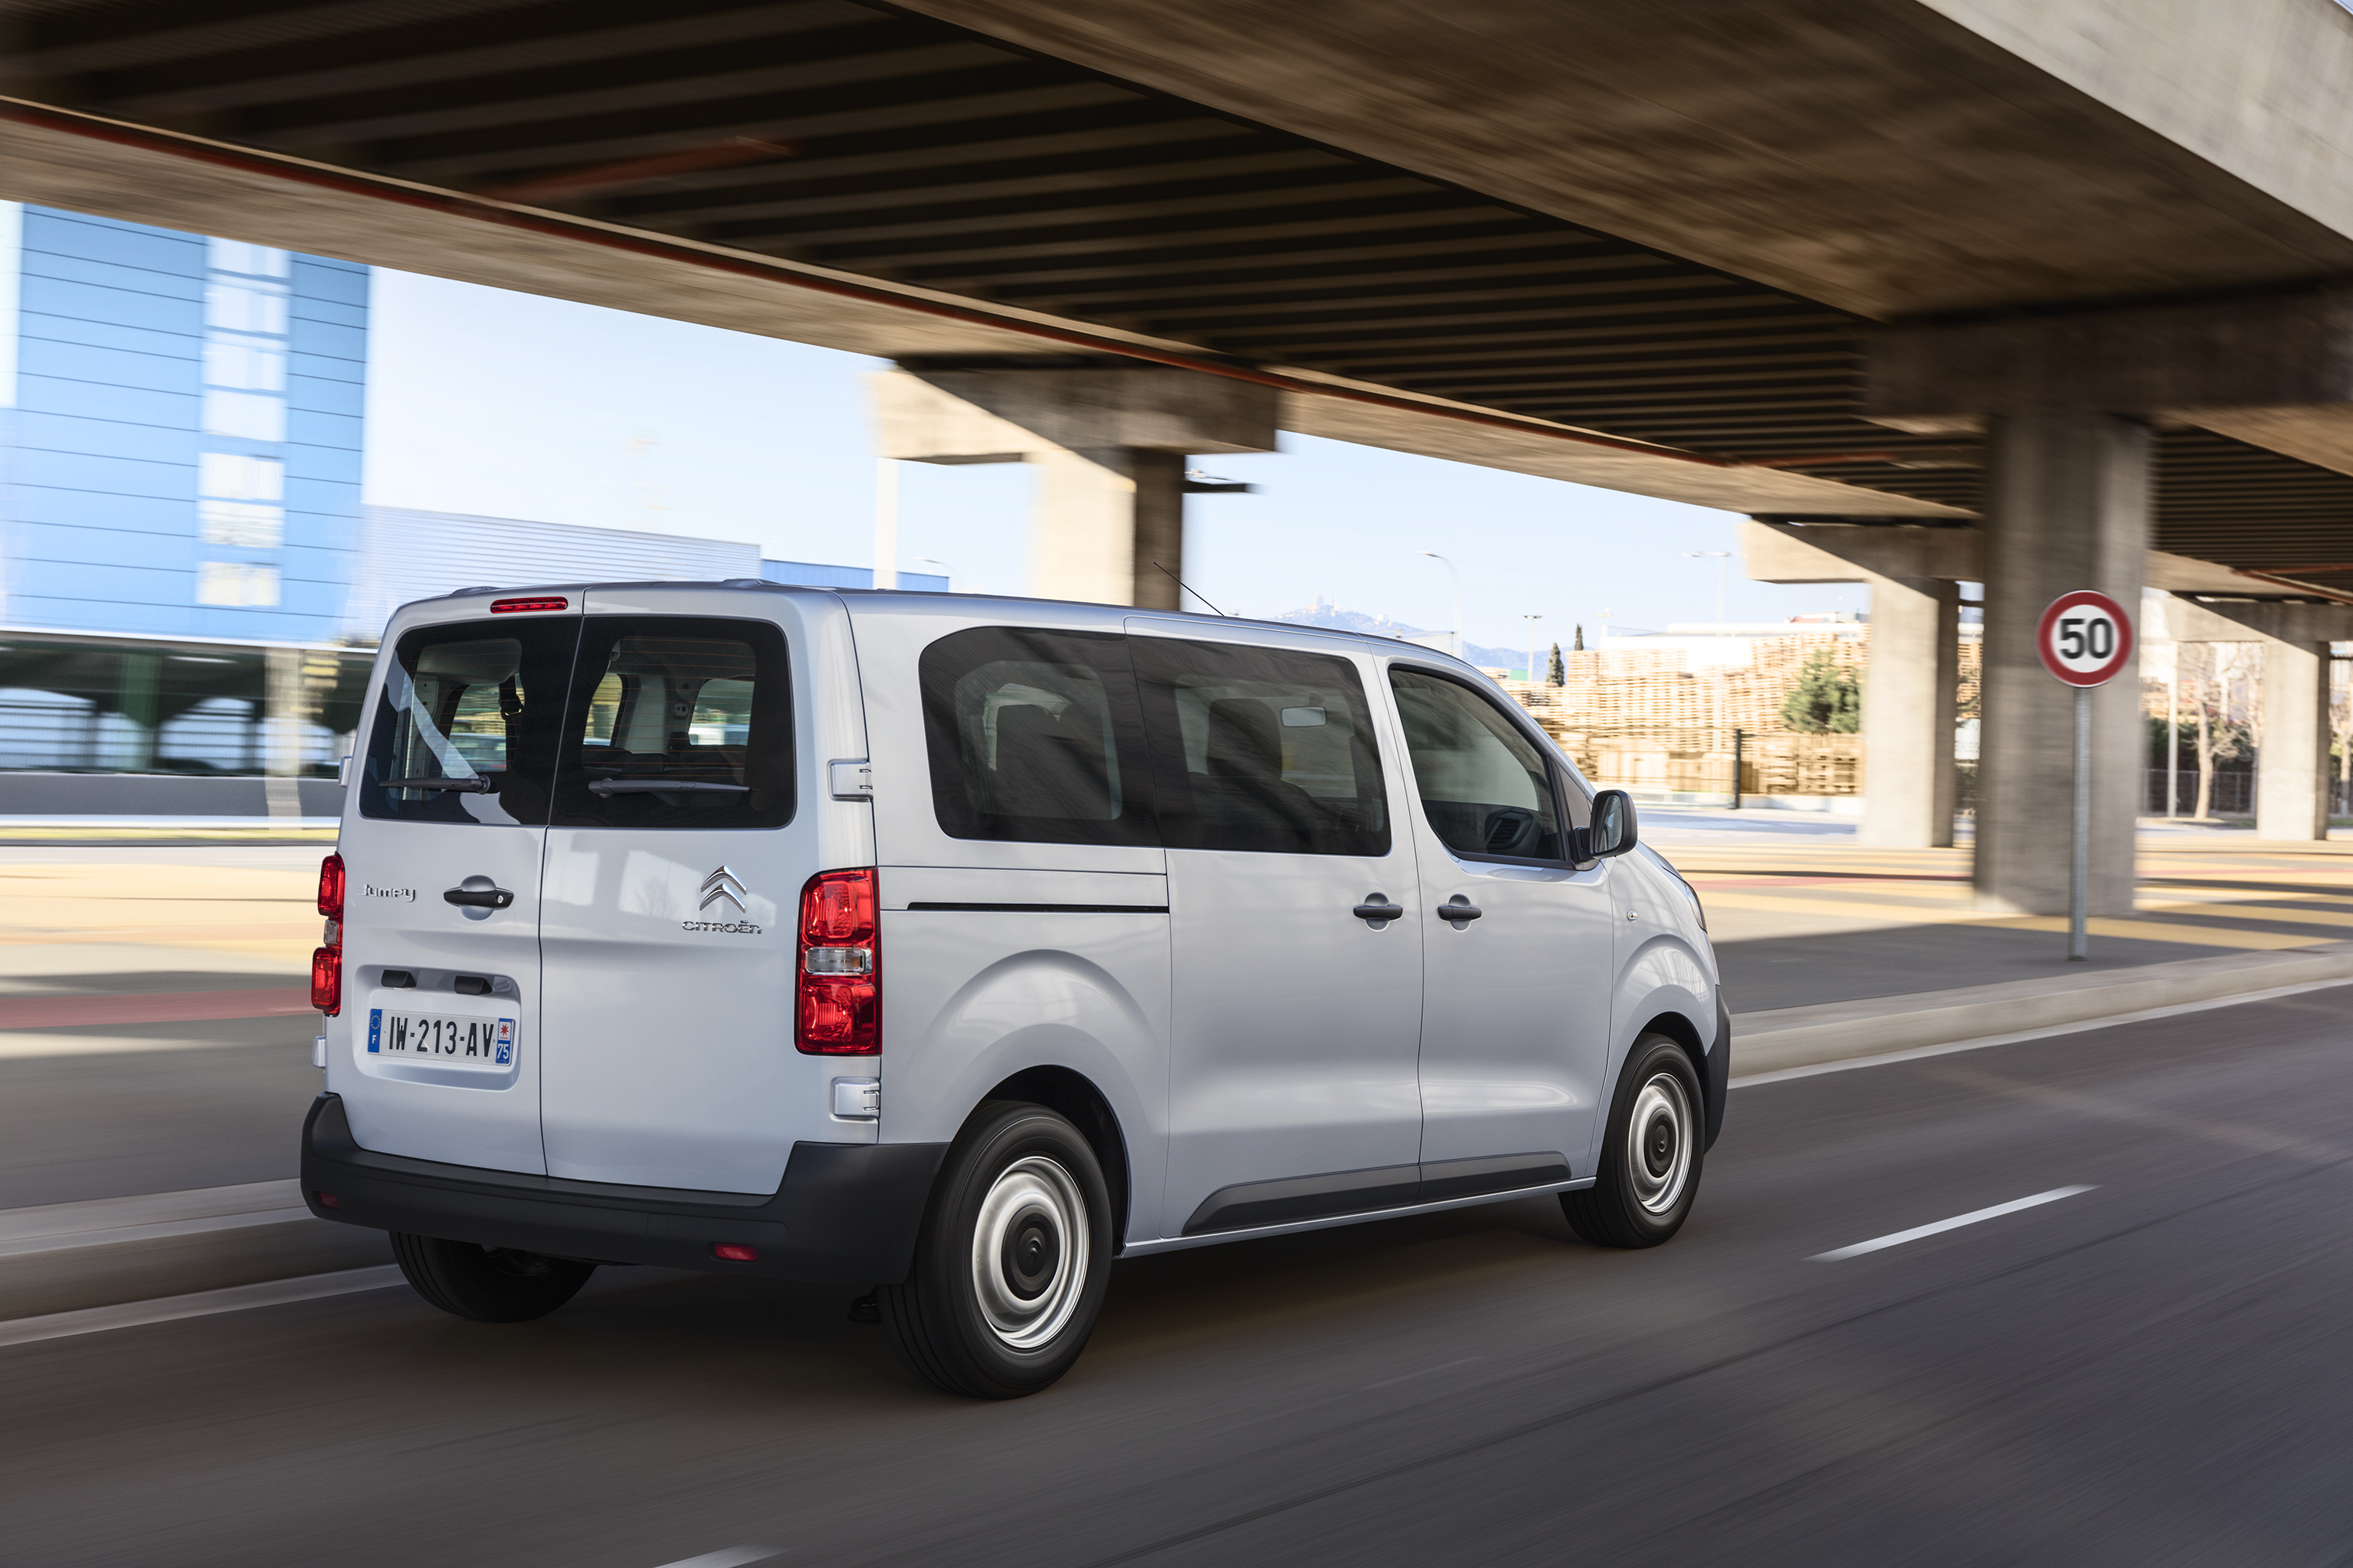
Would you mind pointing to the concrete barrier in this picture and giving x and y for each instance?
(1842, 1031)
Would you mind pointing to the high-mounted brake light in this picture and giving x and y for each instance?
(509, 606)
(327, 961)
(838, 1008)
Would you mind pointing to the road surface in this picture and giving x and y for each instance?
(2153, 1370)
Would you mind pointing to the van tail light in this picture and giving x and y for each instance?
(838, 1002)
(327, 979)
(327, 961)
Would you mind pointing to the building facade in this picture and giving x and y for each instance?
(190, 587)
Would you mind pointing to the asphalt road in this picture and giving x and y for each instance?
(2155, 1371)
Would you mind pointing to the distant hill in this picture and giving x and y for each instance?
(1319, 613)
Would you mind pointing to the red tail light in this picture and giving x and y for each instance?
(327, 962)
(327, 979)
(511, 607)
(837, 1011)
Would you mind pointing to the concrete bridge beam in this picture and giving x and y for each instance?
(1108, 444)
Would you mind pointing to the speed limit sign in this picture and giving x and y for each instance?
(2085, 638)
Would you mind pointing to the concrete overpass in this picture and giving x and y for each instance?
(2068, 269)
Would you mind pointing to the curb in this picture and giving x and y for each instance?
(65, 1257)
(1875, 1026)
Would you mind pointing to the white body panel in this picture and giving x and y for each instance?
(1238, 1021)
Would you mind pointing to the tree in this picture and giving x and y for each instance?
(1578, 646)
(1556, 671)
(1827, 699)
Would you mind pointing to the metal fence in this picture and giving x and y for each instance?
(2234, 792)
(218, 735)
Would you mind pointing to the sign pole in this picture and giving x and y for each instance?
(2084, 640)
(2079, 872)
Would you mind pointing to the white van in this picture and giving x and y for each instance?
(958, 945)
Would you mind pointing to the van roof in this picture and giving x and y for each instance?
(913, 597)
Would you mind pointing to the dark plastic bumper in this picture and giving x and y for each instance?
(1719, 1070)
(845, 1213)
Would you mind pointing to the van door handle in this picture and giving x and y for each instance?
(1377, 909)
(479, 897)
(1459, 912)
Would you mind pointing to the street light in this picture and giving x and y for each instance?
(1450, 571)
(1721, 557)
(927, 561)
(1532, 621)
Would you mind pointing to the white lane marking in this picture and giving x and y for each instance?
(727, 1557)
(1425, 1372)
(33, 1244)
(1918, 1053)
(1918, 1231)
(202, 1304)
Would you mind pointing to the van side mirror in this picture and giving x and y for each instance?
(1613, 832)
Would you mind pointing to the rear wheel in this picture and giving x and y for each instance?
(1650, 1154)
(488, 1284)
(1013, 1261)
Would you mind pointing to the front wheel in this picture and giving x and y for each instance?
(1013, 1261)
(488, 1284)
(1650, 1155)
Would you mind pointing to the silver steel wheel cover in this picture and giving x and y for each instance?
(1034, 1191)
(1659, 1176)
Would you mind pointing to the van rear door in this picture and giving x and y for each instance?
(436, 1052)
(681, 835)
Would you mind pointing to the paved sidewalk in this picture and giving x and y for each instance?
(1803, 917)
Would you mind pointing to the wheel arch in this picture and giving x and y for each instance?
(1707, 1065)
(1075, 1095)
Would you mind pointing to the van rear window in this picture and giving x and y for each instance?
(1034, 737)
(465, 731)
(678, 721)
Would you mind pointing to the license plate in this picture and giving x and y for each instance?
(439, 1037)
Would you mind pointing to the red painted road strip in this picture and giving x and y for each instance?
(151, 1007)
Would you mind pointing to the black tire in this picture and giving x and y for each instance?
(1012, 1261)
(1651, 1153)
(488, 1284)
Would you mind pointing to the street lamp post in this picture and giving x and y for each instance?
(1532, 621)
(1450, 571)
(1722, 558)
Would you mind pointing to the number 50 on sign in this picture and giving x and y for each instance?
(2085, 638)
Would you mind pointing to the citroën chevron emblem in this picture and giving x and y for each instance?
(723, 884)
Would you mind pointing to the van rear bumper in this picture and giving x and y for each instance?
(845, 1213)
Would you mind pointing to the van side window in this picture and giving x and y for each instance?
(1486, 787)
(1034, 738)
(1261, 749)
(465, 730)
(678, 721)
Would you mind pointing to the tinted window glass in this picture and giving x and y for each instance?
(1033, 737)
(466, 727)
(1484, 785)
(1261, 749)
(681, 722)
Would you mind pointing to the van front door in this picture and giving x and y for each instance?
(672, 889)
(1516, 1009)
(437, 1049)
(1296, 1009)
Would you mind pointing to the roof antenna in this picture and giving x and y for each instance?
(1180, 583)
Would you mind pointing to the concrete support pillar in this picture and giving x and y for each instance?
(2290, 792)
(2067, 506)
(1104, 516)
(1109, 445)
(1908, 696)
(285, 707)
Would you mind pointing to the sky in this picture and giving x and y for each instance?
(505, 404)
